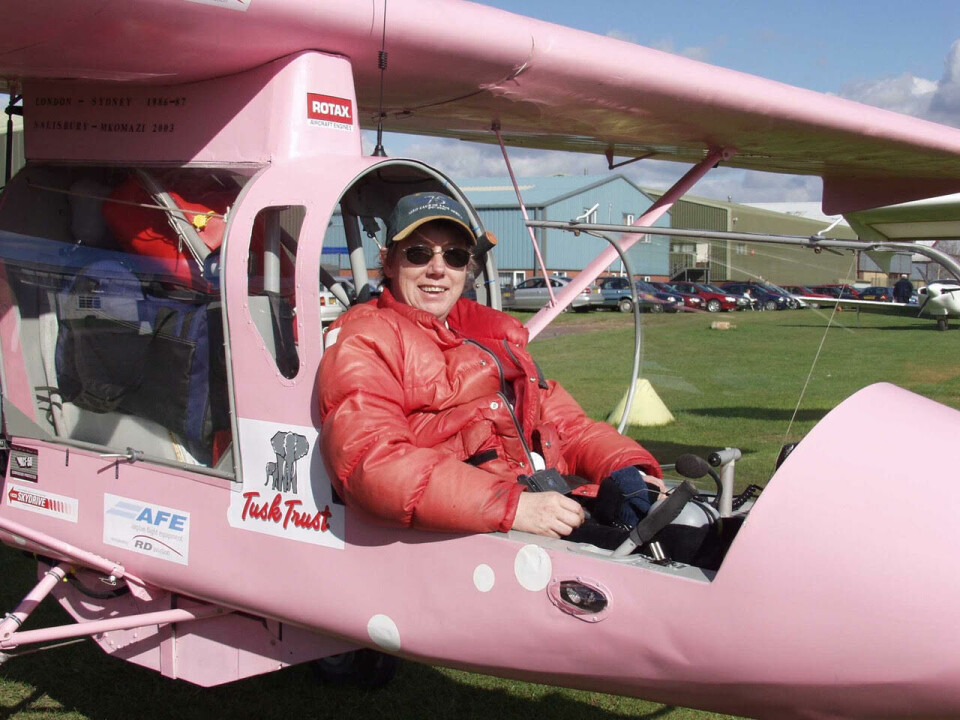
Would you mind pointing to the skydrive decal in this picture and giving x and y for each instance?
(145, 528)
(42, 502)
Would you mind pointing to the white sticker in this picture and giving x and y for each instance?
(286, 491)
(483, 578)
(42, 502)
(155, 530)
(533, 568)
(384, 632)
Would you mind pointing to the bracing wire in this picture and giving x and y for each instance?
(816, 356)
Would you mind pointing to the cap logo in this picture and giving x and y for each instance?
(438, 204)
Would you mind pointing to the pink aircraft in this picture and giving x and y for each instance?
(190, 163)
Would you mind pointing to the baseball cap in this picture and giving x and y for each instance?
(412, 211)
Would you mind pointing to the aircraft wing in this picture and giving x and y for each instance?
(870, 306)
(456, 69)
(934, 219)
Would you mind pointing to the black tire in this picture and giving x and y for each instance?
(943, 324)
(713, 305)
(656, 308)
(770, 305)
(625, 305)
(362, 668)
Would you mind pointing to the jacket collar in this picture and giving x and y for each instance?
(467, 319)
(421, 318)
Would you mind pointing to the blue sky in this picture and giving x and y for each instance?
(903, 56)
(815, 44)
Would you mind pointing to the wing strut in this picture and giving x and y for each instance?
(526, 219)
(539, 321)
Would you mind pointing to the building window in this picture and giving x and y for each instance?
(512, 278)
(741, 248)
(628, 218)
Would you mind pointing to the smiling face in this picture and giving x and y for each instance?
(434, 287)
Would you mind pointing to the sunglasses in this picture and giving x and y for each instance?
(420, 255)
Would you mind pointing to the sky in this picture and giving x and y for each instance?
(901, 56)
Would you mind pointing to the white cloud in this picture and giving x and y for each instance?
(945, 104)
(465, 160)
(905, 93)
(929, 99)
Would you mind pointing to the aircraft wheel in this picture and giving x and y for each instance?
(713, 305)
(625, 305)
(363, 668)
(943, 324)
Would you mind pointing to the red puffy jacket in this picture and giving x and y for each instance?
(428, 426)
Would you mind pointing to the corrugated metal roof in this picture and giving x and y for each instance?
(537, 192)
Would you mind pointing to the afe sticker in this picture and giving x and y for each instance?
(329, 111)
(155, 530)
(23, 463)
(42, 502)
(286, 491)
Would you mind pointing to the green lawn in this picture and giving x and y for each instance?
(725, 387)
(740, 386)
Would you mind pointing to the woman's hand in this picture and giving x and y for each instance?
(547, 513)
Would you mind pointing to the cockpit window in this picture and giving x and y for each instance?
(110, 275)
(271, 267)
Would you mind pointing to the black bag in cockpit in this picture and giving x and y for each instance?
(122, 347)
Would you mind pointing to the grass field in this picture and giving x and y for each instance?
(725, 387)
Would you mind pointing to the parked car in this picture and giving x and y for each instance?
(805, 295)
(805, 291)
(843, 292)
(532, 294)
(714, 299)
(690, 301)
(615, 293)
(877, 293)
(766, 297)
(666, 301)
(330, 306)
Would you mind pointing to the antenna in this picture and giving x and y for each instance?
(378, 151)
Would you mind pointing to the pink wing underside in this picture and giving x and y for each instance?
(456, 69)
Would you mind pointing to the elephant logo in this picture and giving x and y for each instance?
(289, 448)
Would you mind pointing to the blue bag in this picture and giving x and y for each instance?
(138, 348)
